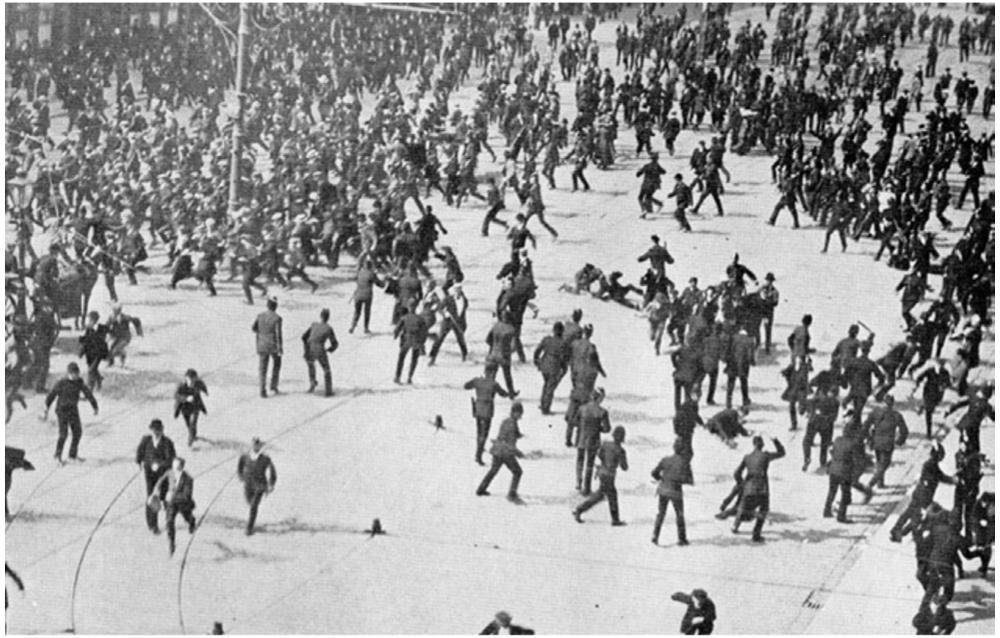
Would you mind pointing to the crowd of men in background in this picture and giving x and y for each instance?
(326, 125)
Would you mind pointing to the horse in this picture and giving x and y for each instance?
(72, 293)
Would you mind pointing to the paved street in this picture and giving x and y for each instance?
(450, 560)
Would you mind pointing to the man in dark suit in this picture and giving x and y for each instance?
(584, 366)
(94, 349)
(176, 490)
(500, 339)
(154, 455)
(505, 452)
(935, 379)
(858, 374)
(257, 472)
(501, 625)
(741, 357)
(887, 429)
(699, 619)
(594, 421)
(486, 388)
(314, 343)
(752, 475)
(411, 330)
(612, 456)
(551, 358)
(843, 454)
(66, 394)
(673, 473)
(267, 325)
(188, 402)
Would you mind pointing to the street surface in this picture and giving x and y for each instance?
(450, 560)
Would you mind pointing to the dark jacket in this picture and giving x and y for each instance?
(187, 398)
(180, 488)
(687, 362)
(411, 331)
(485, 388)
(673, 472)
(267, 325)
(741, 355)
(257, 474)
(552, 355)
(842, 455)
(754, 466)
(505, 445)
(162, 453)
(66, 393)
(706, 612)
(593, 421)
(93, 343)
(612, 456)
(501, 342)
(858, 374)
(887, 428)
(314, 340)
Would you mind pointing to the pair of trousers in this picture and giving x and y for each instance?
(69, 421)
(585, 468)
(825, 435)
(482, 433)
(744, 389)
(549, 384)
(678, 503)
(415, 356)
(191, 422)
(681, 217)
(491, 218)
(324, 363)
(275, 360)
(757, 504)
(883, 459)
(498, 462)
(254, 496)
(362, 306)
(448, 326)
(172, 510)
(844, 486)
(714, 194)
(607, 490)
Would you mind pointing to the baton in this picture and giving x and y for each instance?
(862, 324)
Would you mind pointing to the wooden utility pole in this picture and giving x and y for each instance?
(234, 162)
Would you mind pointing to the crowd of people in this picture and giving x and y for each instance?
(327, 128)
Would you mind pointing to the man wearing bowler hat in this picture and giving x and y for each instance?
(154, 455)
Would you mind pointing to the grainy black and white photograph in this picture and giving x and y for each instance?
(500, 318)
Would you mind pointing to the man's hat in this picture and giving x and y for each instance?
(769, 276)
(191, 372)
(655, 238)
(73, 368)
(156, 425)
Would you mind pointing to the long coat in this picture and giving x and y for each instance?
(267, 325)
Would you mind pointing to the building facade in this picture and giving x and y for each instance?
(42, 23)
